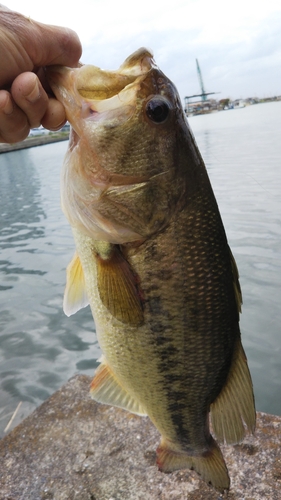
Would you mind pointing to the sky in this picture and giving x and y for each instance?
(237, 44)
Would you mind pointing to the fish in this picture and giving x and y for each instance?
(153, 261)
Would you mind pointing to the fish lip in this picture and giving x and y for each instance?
(61, 80)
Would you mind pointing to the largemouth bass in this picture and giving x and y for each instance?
(153, 262)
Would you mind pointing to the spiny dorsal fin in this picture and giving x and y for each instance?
(211, 465)
(75, 296)
(117, 287)
(107, 390)
(234, 407)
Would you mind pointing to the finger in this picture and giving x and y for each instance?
(30, 96)
(14, 125)
(54, 117)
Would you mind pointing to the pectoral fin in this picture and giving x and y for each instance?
(234, 408)
(75, 296)
(106, 389)
(118, 290)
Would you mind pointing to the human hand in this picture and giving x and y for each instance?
(26, 47)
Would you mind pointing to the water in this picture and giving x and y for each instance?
(40, 348)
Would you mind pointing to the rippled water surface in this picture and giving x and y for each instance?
(40, 348)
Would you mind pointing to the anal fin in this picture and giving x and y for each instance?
(106, 389)
(234, 409)
(210, 465)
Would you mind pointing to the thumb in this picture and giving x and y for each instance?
(55, 45)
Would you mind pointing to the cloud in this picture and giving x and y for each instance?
(238, 45)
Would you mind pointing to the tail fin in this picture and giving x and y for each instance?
(211, 465)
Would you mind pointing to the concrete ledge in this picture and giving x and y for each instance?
(30, 142)
(72, 448)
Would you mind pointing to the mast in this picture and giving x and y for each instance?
(204, 95)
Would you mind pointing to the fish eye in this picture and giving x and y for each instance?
(157, 109)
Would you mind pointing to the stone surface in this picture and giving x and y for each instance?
(72, 448)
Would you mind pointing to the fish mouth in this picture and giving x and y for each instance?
(99, 94)
(97, 84)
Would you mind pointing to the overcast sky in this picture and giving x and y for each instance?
(238, 44)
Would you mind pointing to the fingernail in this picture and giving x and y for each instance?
(34, 95)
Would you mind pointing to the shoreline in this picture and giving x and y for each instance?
(31, 142)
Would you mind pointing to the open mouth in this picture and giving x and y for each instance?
(98, 85)
(105, 92)
(100, 92)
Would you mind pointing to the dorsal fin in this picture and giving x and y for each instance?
(234, 407)
(75, 296)
(106, 389)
